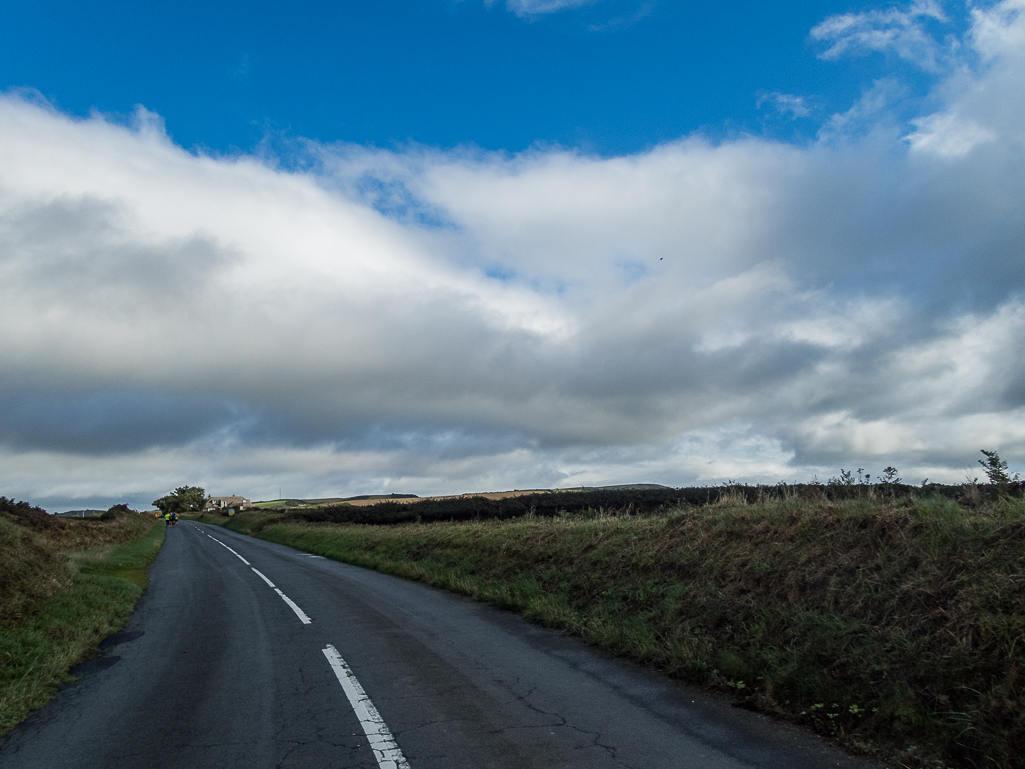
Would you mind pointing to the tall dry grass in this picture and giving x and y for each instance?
(65, 584)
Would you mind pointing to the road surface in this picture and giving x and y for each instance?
(247, 654)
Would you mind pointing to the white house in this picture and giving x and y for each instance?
(227, 503)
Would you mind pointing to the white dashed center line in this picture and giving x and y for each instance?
(303, 616)
(298, 612)
(386, 750)
(230, 550)
(260, 575)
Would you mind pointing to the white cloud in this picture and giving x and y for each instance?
(528, 8)
(900, 30)
(997, 31)
(786, 104)
(439, 321)
(871, 113)
(947, 135)
(982, 103)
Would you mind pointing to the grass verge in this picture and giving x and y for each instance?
(212, 519)
(52, 633)
(894, 627)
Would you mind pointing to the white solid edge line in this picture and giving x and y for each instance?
(298, 612)
(260, 575)
(386, 750)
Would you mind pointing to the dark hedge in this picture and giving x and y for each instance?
(610, 500)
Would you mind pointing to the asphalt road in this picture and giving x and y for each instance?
(247, 654)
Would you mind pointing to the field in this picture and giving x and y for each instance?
(888, 619)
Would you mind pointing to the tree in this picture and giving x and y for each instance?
(184, 499)
(116, 511)
(996, 470)
(889, 476)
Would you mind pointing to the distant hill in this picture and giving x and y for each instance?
(622, 487)
(81, 513)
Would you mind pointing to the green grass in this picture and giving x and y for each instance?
(67, 626)
(213, 520)
(129, 561)
(895, 627)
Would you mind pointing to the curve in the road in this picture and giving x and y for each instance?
(245, 653)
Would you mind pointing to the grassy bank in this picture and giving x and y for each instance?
(894, 627)
(66, 584)
(214, 519)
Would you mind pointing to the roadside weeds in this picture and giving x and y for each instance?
(91, 596)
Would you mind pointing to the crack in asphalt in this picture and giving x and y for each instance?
(563, 722)
(597, 743)
(426, 724)
(290, 751)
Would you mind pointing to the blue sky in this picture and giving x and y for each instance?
(610, 77)
(439, 247)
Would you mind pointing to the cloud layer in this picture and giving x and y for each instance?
(365, 320)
